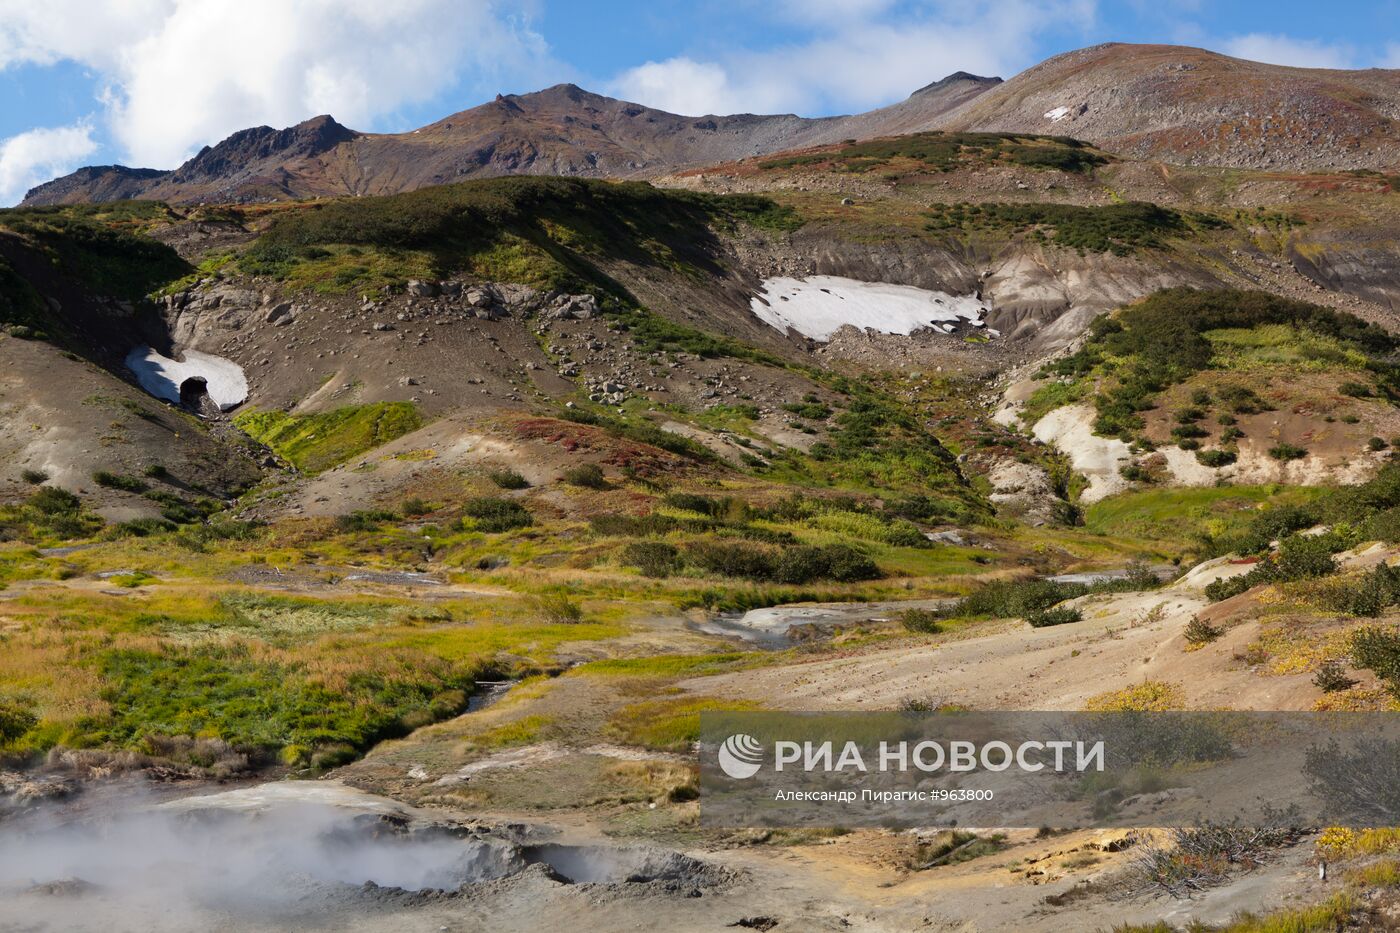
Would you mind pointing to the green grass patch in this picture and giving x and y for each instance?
(313, 443)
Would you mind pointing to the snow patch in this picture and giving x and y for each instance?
(818, 306)
(1058, 114)
(161, 376)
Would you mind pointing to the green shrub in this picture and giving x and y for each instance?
(51, 500)
(1215, 458)
(1287, 452)
(1300, 557)
(557, 609)
(1061, 615)
(652, 558)
(415, 508)
(494, 515)
(586, 475)
(731, 558)
(1009, 599)
(1383, 526)
(1121, 229)
(923, 621)
(1135, 472)
(1200, 632)
(1355, 389)
(117, 481)
(615, 523)
(839, 562)
(1373, 593)
(1230, 586)
(15, 721)
(155, 471)
(1378, 650)
(810, 407)
(1331, 677)
(1377, 443)
(508, 479)
(34, 477)
(142, 527)
(725, 508)
(363, 520)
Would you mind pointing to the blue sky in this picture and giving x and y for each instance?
(147, 82)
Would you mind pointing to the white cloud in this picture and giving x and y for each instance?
(855, 64)
(183, 73)
(680, 85)
(1277, 49)
(1391, 58)
(37, 155)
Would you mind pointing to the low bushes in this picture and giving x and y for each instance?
(1377, 649)
(792, 565)
(49, 513)
(557, 609)
(118, 481)
(1059, 615)
(363, 520)
(1287, 452)
(652, 558)
(493, 515)
(923, 621)
(508, 479)
(587, 476)
(1299, 558)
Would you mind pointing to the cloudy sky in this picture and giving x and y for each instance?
(148, 82)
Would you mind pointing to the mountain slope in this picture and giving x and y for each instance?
(1192, 106)
(563, 130)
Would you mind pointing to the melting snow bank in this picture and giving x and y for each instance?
(161, 376)
(819, 306)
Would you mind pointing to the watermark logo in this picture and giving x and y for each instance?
(740, 756)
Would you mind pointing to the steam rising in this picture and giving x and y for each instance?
(281, 854)
(252, 854)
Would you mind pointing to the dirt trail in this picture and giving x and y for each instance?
(1123, 640)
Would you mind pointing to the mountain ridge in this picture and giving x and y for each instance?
(559, 130)
(1174, 104)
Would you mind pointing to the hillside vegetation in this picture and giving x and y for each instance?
(944, 152)
(1173, 334)
(544, 232)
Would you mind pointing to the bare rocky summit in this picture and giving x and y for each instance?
(562, 130)
(1195, 107)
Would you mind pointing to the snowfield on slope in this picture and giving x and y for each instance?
(161, 376)
(820, 305)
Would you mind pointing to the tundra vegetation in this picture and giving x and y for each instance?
(235, 633)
